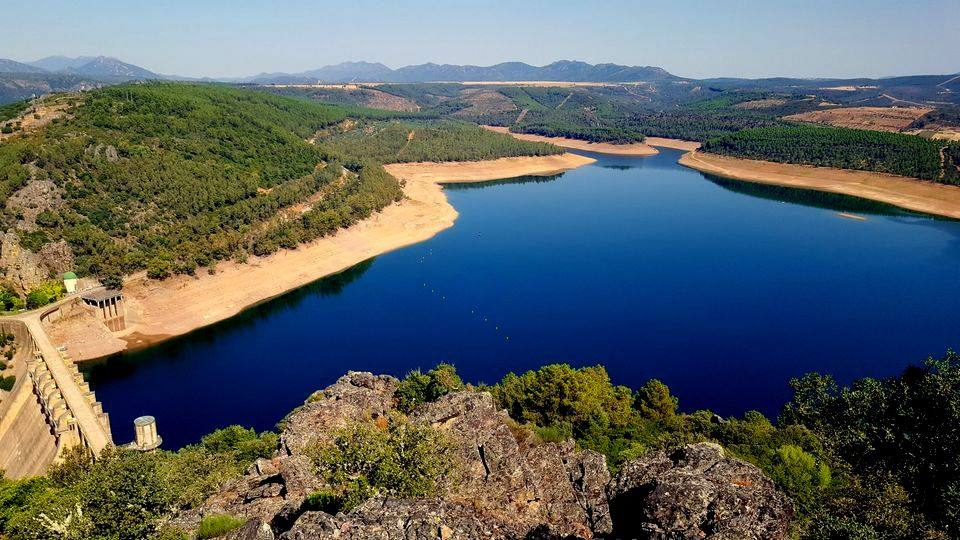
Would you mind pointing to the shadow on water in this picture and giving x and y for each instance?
(506, 181)
(122, 364)
(817, 199)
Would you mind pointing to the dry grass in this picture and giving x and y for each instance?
(875, 118)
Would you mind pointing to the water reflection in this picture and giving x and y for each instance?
(530, 179)
(816, 199)
(123, 364)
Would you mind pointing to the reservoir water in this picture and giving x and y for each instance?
(722, 289)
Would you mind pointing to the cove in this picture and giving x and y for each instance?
(722, 289)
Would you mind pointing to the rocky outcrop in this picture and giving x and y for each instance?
(506, 485)
(505, 476)
(29, 201)
(697, 492)
(24, 269)
(108, 151)
(255, 529)
(355, 396)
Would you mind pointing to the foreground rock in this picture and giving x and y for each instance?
(507, 485)
(697, 492)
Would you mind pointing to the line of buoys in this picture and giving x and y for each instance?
(443, 298)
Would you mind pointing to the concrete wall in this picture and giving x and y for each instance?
(27, 442)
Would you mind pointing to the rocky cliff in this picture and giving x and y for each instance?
(508, 485)
(24, 269)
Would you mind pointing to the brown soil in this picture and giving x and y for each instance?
(484, 101)
(849, 88)
(760, 103)
(875, 118)
(676, 144)
(39, 114)
(378, 99)
(909, 193)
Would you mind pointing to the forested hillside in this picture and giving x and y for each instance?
(893, 153)
(169, 177)
(11, 110)
(401, 142)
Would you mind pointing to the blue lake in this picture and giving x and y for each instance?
(722, 289)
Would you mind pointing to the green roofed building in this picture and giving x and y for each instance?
(70, 282)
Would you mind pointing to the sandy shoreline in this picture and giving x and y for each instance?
(159, 310)
(909, 193)
(633, 149)
(676, 144)
(646, 148)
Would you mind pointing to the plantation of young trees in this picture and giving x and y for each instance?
(403, 142)
(894, 153)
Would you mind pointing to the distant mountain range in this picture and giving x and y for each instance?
(22, 80)
(97, 67)
(11, 66)
(108, 68)
(563, 70)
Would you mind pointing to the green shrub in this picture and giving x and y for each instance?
(347, 497)
(112, 281)
(244, 444)
(171, 533)
(582, 403)
(399, 459)
(555, 433)
(6, 383)
(417, 387)
(218, 525)
(47, 292)
(800, 475)
(159, 268)
(9, 299)
(654, 402)
(33, 240)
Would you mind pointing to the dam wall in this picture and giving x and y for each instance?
(50, 409)
(28, 444)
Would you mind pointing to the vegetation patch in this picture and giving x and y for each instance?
(894, 153)
(12, 110)
(403, 142)
(218, 525)
(395, 458)
(124, 494)
(418, 387)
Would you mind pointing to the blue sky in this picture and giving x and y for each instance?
(694, 38)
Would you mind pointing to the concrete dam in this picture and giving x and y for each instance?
(50, 409)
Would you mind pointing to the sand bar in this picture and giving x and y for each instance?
(909, 193)
(676, 144)
(175, 306)
(632, 149)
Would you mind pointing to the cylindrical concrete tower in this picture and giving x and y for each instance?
(146, 433)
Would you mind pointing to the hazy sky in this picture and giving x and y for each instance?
(694, 38)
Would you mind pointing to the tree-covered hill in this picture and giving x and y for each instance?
(894, 153)
(403, 142)
(168, 177)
